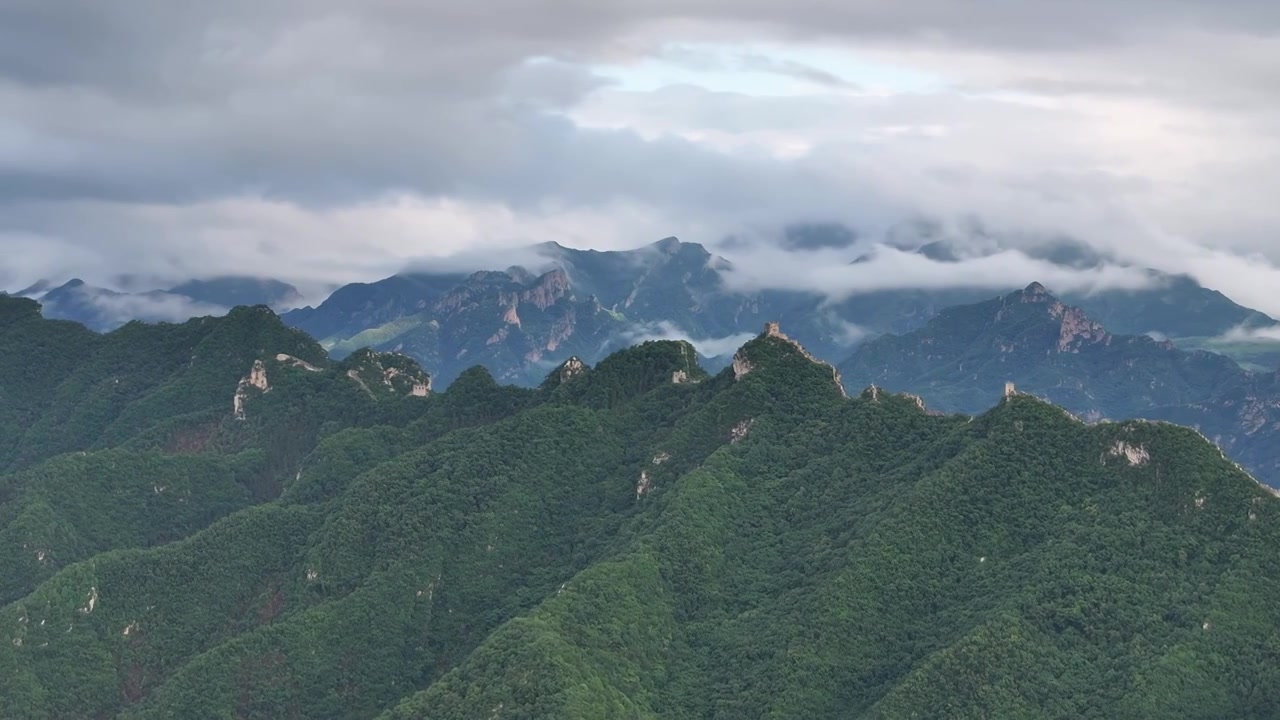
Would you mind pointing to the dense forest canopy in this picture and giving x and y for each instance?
(214, 519)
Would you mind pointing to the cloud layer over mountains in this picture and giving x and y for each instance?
(335, 141)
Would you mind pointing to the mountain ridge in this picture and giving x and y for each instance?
(1056, 351)
(681, 286)
(631, 538)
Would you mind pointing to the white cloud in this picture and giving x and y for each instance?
(1262, 335)
(834, 272)
(152, 307)
(707, 347)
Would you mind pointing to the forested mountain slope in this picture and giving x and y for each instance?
(640, 540)
(143, 435)
(1058, 352)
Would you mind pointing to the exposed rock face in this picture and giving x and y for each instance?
(1136, 454)
(511, 317)
(644, 485)
(499, 336)
(572, 368)
(1256, 412)
(561, 330)
(296, 362)
(256, 378)
(547, 290)
(1077, 329)
(740, 430)
(355, 375)
(741, 366)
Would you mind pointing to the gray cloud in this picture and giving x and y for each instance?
(325, 140)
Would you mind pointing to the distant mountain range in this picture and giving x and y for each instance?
(523, 320)
(102, 309)
(519, 322)
(1053, 350)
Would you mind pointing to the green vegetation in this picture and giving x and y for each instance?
(1258, 355)
(371, 337)
(614, 544)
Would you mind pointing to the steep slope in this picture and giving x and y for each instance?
(636, 539)
(361, 307)
(36, 355)
(1057, 352)
(99, 390)
(151, 432)
(1176, 307)
(1022, 565)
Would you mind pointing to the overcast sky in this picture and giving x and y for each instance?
(327, 140)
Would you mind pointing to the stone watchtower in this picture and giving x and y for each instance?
(1009, 390)
(421, 389)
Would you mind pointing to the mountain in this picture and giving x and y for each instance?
(104, 309)
(630, 539)
(588, 303)
(231, 291)
(519, 323)
(1058, 352)
(145, 434)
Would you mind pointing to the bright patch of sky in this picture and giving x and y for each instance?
(767, 69)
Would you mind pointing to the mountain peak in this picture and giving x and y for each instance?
(668, 245)
(1075, 328)
(749, 356)
(568, 370)
(39, 287)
